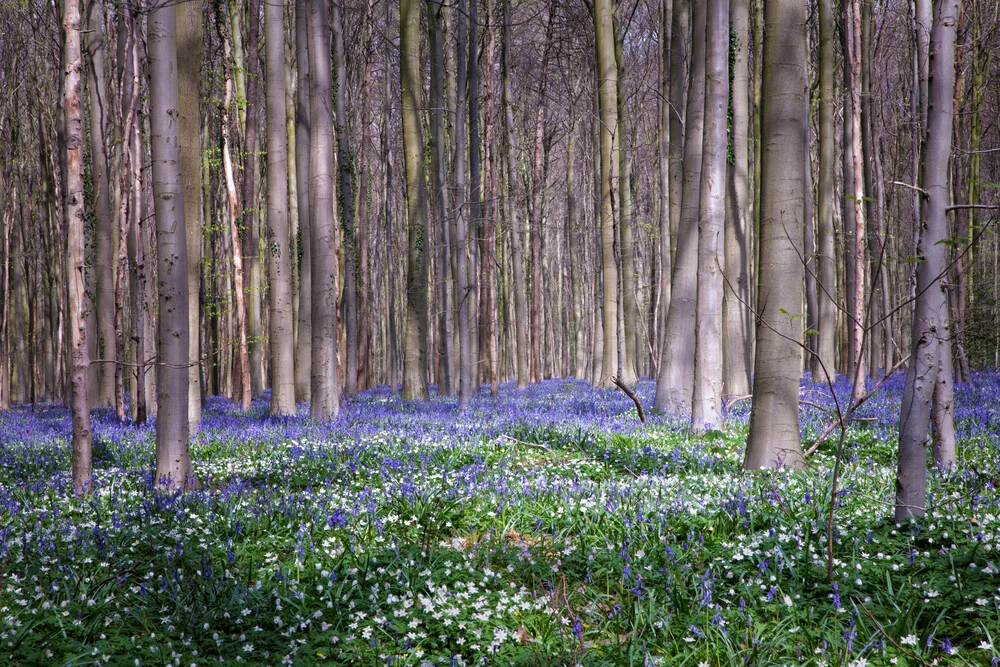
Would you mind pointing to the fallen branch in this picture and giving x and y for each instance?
(887, 636)
(846, 417)
(635, 399)
(527, 444)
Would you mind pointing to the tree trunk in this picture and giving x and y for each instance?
(706, 407)
(242, 389)
(346, 196)
(73, 214)
(666, 203)
(774, 439)
(414, 378)
(628, 308)
(930, 317)
(675, 383)
(303, 345)
(823, 362)
(189, 43)
(279, 258)
(737, 312)
(439, 179)
(520, 287)
(680, 52)
(460, 250)
(249, 213)
(324, 379)
(104, 258)
(173, 458)
(607, 92)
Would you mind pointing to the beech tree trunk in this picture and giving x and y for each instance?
(461, 246)
(73, 214)
(774, 440)
(706, 407)
(931, 327)
(520, 287)
(414, 377)
(439, 180)
(104, 264)
(607, 94)
(324, 402)
(303, 344)
(189, 43)
(737, 311)
(857, 314)
(279, 246)
(345, 165)
(675, 383)
(823, 362)
(173, 458)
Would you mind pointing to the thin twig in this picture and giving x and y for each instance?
(850, 410)
(635, 399)
(912, 187)
(527, 444)
(886, 634)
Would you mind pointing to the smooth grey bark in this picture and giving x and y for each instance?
(680, 52)
(324, 402)
(345, 159)
(279, 246)
(414, 378)
(173, 457)
(736, 313)
(675, 382)
(628, 314)
(475, 192)
(73, 215)
(706, 406)
(439, 181)
(662, 301)
(249, 215)
(189, 43)
(858, 319)
(848, 219)
(519, 287)
(461, 246)
(774, 439)
(100, 112)
(823, 361)
(931, 327)
(303, 141)
(607, 99)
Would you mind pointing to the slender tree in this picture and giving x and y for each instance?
(460, 250)
(519, 286)
(706, 407)
(442, 200)
(303, 141)
(324, 402)
(345, 160)
(607, 94)
(73, 212)
(931, 325)
(736, 331)
(825, 266)
(279, 247)
(414, 378)
(675, 383)
(99, 107)
(173, 458)
(189, 43)
(774, 439)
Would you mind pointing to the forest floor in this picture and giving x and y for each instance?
(541, 527)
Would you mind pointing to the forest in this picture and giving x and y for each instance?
(500, 332)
